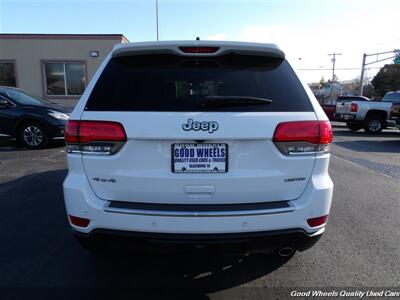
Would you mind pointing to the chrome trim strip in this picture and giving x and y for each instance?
(3, 134)
(95, 153)
(310, 153)
(197, 214)
(58, 138)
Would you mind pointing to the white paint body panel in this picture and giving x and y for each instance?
(81, 201)
(142, 168)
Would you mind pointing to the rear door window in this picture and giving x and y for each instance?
(175, 83)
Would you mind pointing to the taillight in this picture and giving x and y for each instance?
(71, 132)
(354, 107)
(94, 137)
(314, 222)
(303, 137)
(199, 49)
(90, 131)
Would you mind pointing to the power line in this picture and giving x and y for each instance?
(340, 69)
(364, 63)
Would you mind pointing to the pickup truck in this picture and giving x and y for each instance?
(330, 109)
(373, 116)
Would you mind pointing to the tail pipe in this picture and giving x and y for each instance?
(286, 251)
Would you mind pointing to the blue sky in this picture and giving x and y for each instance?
(306, 29)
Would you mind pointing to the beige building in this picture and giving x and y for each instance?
(57, 67)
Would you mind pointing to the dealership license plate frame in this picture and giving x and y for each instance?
(210, 171)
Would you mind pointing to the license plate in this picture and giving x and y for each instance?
(348, 117)
(199, 158)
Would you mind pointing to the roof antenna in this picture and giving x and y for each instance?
(197, 39)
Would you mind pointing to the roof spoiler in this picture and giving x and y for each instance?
(174, 47)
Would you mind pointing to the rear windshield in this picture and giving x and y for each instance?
(391, 97)
(175, 83)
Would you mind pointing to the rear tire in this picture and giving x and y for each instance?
(354, 126)
(374, 124)
(33, 135)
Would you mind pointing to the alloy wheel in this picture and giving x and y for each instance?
(374, 125)
(33, 136)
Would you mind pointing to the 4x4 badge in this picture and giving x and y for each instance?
(210, 126)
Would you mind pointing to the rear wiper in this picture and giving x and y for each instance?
(233, 100)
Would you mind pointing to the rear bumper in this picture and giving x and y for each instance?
(344, 117)
(262, 223)
(267, 241)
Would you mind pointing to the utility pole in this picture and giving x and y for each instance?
(364, 63)
(158, 36)
(361, 86)
(333, 72)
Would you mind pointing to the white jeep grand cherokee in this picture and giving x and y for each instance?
(198, 142)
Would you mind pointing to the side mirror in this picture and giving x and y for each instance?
(4, 104)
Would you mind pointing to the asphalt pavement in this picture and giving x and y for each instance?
(360, 248)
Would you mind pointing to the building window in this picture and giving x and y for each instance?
(65, 78)
(7, 74)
